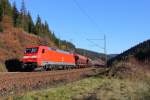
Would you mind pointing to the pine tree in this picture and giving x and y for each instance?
(30, 24)
(55, 39)
(23, 8)
(1, 12)
(46, 27)
(15, 15)
(38, 26)
(43, 31)
(23, 16)
(6, 7)
(47, 30)
(1, 16)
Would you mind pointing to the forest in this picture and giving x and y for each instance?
(141, 52)
(22, 19)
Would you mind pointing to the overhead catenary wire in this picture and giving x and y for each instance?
(86, 14)
(94, 44)
(104, 48)
(97, 26)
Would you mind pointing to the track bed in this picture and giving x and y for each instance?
(19, 82)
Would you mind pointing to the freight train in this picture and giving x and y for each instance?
(46, 58)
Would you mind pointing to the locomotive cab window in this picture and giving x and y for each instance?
(31, 50)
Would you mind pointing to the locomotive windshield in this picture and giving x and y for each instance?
(31, 50)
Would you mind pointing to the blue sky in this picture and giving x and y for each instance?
(125, 22)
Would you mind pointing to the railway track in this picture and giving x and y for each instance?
(19, 82)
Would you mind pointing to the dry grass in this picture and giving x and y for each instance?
(95, 88)
(116, 89)
(2, 68)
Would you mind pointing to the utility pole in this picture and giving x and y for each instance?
(59, 44)
(103, 48)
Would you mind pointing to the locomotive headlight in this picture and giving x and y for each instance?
(33, 56)
(29, 57)
(25, 57)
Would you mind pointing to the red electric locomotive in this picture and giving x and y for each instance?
(50, 58)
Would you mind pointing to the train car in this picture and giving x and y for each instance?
(47, 58)
(81, 61)
(90, 62)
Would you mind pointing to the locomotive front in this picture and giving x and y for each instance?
(30, 58)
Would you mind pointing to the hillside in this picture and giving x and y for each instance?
(91, 54)
(140, 52)
(12, 17)
(98, 58)
(13, 43)
(110, 56)
(18, 30)
(135, 59)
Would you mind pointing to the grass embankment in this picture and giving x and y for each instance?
(2, 68)
(65, 92)
(101, 88)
